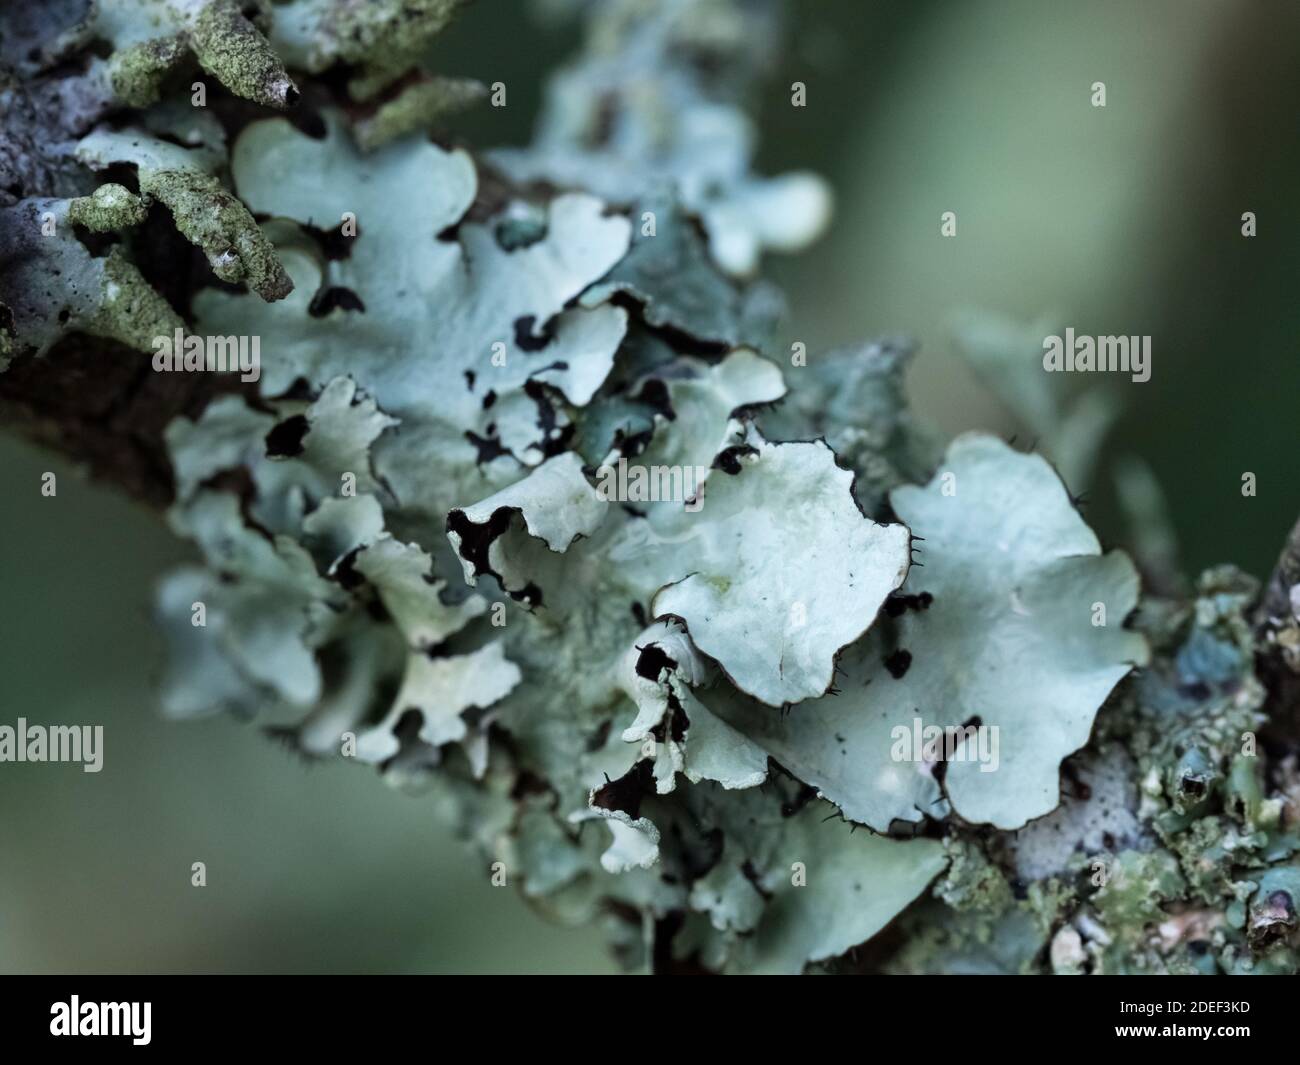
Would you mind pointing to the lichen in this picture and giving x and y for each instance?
(110, 207)
(651, 105)
(232, 50)
(209, 216)
(205, 212)
(383, 38)
(421, 106)
(137, 71)
(152, 38)
(696, 715)
(52, 284)
(130, 310)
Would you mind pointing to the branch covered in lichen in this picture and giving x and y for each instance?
(524, 509)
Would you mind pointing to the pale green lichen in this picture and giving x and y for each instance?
(674, 715)
(1038, 607)
(208, 215)
(645, 744)
(232, 50)
(205, 212)
(130, 309)
(153, 38)
(136, 72)
(53, 285)
(384, 38)
(462, 305)
(109, 207)
(422, 106)
(651, 107)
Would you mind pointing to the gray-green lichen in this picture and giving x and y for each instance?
(702, 715)
(232, 49)
(652, 105)
(153, 38)
(130, 310)
(110, 207)
(52, 284)
(383, 39)
(136, 71)
(205, 212)
(421, 106)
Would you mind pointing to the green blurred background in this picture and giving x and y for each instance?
(1117, 220)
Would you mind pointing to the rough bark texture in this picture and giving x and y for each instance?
(100, 405)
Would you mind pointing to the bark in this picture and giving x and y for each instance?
(100, 405)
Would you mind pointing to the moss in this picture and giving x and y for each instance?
(231, 49)
(110, 207)
(211, 217)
